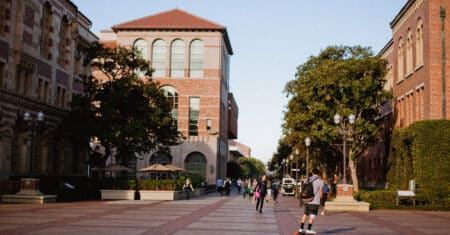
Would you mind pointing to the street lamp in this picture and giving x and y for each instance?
(346, 130)
(307, 143)
(292, 160)
(297, 152)
(34, 124)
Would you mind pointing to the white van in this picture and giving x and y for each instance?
(288, 186)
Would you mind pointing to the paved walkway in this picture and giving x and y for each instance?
(209, 214)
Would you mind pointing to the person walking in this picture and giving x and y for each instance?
(325, 192)
(275, 190)
(188, 188)
(312, 207)
(260, 193)
(269, 189)
(244, 187)
(239, 185)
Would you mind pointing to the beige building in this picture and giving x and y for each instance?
(39, 64)
(190, 58)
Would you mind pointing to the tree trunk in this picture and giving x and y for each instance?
(352, 166)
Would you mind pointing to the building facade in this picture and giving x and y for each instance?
(416, 70)
(39, 67)
(190, 58)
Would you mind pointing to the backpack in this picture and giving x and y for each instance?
(308, 191)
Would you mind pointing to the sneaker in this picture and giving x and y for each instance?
(323, 213)
(300, 230)
(310, 232)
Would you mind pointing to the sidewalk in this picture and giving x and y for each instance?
(208, 214)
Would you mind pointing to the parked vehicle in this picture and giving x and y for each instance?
(288, 186)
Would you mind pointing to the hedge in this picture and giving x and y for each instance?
(421, 152)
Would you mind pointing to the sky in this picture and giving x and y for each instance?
(269, 40)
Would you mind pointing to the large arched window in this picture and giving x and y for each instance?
(400, 57)
(159, 58)
(46, 29)
(409, 53)
(172, 98)
(160, 158)
(419, 43)
(141, 45)
(177, 59)
(196, 163)
(196, 59)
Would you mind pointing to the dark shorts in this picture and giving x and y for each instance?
(311, 209)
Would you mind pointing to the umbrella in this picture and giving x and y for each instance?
(155, 167)
(175, 168)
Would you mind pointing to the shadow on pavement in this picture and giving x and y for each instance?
(337, 230)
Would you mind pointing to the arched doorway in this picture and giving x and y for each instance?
(160, 158)
(196, 163)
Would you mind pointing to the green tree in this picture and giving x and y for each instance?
(344, 80)
(129, 115)
(252, 167)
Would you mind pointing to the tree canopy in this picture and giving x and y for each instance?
(128, 115)
(341, 79)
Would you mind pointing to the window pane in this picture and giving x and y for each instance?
(196, 59)
(177, 59)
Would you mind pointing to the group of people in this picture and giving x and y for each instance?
(259, 190)
(223, 186)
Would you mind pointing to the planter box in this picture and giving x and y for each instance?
(157, 195)
(109, 194)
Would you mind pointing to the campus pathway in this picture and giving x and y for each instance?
(208, 214)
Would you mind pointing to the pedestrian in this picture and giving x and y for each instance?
(219, 185)
(312, 207)
(325, 192)
(239, 184)
(275, 190)
(227, 187)
(188, 188)
(260, 193)
(244, 187)
(269, 190)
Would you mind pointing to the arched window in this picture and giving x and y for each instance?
(63, 41)
(159, 58)
(141, 45)
(46, 29)
(196, 163)
(400, 71)
(409, 53)
(419, 43)
(196, 59)
(160, 158)
(172, 97)
(177, 59)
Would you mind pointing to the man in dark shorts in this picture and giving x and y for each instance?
(312, 207)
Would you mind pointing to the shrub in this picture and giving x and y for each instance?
(377, 198)
(152, 184)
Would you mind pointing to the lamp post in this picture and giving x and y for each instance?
(292, 160)
(307, 143)
(346, 130)
(33, 124)
(297, 152)
(283, 166)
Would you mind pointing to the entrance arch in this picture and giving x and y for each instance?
(196, 163)
(160, 158)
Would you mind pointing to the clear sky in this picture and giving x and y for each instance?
(269, 40)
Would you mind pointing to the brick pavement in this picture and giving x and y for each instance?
(208, 214)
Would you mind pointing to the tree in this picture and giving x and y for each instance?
(252, 167)
(344, 80)
(128, 115)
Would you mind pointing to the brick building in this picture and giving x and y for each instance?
(190, 58)
(414, 75)
(39, 67)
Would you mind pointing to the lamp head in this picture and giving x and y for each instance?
(27, 116)
(337, 118)
(40, 116)
(351, 118)
(307, 141)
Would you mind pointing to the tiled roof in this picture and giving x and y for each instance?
(173, 19)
